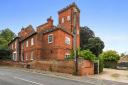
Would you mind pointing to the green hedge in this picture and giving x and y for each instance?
(5, 54)
(110, 64)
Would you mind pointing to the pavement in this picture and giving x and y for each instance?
(20, 76)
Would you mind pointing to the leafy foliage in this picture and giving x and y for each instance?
(95, 45)
(5, 54)
(6, 36)
(87, 55)
(89, 41)
(85, 34)
(110, 56)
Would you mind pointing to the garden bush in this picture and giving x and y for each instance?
(110, 58)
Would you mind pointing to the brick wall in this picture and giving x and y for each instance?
(85, 67)
(58, 48)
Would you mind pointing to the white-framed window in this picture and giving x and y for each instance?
(67, 40)
(50, 38)
(32, 41)
(62, 20)
(68, 18)
(67, 55)
(32, 56)
(26, 56)
(27, 43)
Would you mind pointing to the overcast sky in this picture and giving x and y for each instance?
(107, 18)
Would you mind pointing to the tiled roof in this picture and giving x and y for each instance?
(56, 28)
(32, 33)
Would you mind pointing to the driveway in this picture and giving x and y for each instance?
(114, 75)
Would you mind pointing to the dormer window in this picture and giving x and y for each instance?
(68, 18)
(62, 20)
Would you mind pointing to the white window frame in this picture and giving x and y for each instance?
(49, 38)
(32, 58)
(32, 41)
(67, 40)
(67, 55)
(62, 21)
(68, 18)
(27, 43)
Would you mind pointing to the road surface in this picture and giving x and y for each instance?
(12, 76)
(17, 77)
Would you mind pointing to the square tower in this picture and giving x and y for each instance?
(69, 18)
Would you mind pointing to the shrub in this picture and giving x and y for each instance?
(5, 54)
(110, 58)
(87, 55)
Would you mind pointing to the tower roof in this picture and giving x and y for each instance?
(69, 6)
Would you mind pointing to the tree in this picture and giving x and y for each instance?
(6, 36)
(85, 34)
(89, 41)
(95, 45)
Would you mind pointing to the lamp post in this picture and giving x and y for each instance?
(74, 42)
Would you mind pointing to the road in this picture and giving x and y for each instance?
(17, 77)
(12, 76)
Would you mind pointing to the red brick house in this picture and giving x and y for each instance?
(48, 41)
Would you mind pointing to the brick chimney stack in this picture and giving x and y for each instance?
(50, 21)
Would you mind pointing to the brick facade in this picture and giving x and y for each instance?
(48, 41)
